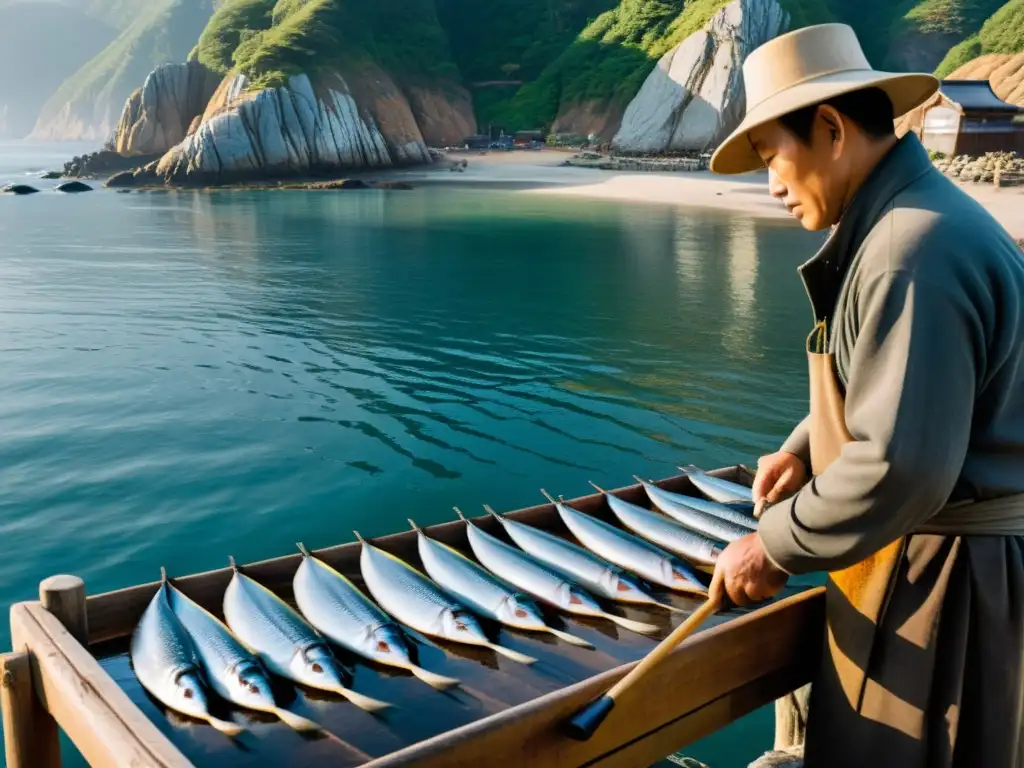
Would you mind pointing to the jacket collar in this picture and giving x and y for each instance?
(823, 274)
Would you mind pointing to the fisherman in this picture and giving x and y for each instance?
(905, 484)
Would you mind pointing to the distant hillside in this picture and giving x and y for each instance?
(1003, 71)
(1002, 33)
(89, 103)
(41, 44)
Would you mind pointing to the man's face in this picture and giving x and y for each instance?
(809, 179)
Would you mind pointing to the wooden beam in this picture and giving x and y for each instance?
(64, 597)
(93, 711)
(31, 739)
(710, 680)
(115, 614)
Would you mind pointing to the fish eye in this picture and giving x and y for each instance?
(574, 600)
(521, 613)
(460, 626)
(188, 694)
(253, 688)
(383, 647)
(318, 669)
(623, 587)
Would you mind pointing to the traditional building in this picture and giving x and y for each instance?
(966, 118)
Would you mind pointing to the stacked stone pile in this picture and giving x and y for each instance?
(983, 169)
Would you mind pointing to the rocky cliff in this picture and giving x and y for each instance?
(362, 121)
(158, 115)
(87, 105)
(694, 97)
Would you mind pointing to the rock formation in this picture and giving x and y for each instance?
(1003, 71)
(159, 115)
(694, 97)
(361, 120)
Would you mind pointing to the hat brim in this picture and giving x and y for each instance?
(907, 91)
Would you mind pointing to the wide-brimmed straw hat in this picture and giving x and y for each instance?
(807, 67)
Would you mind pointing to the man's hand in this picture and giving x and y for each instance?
(746, 574)
(778, 475)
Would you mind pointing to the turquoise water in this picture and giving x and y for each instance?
(186, 376)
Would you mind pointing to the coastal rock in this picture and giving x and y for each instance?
(72, 187)
(102, 163)
(362, 120)
(140, 177)
(694, 97)
(160, 114)
(19, 189)
(444, 116)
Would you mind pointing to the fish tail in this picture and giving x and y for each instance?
(636, 626)
(363, 702)
(163, 575)
(359, 536)
(302, 548)
(571, 639)
(490, 511)
(462, 517)
(689, 469)
(296, 722)
(234, 565)
(548, 496)
(522, 658)
(598, 487)
(414, 526)
(224, 726)
(640, 480)
(434, 680)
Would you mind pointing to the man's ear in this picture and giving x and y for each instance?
(835, 128)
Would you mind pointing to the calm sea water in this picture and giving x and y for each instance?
(185, 376)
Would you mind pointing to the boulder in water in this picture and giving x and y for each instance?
(51, 175)
(73, 186)
(19, 189)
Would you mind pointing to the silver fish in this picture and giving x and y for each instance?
(481, 591)
(628, 551)
(167, 665)
(680, 507)
(416, 601)
(577, 564)
(717, 489)
(527, 574)
(336, 607)
(284, 642)
(663, 531)
(232, 671)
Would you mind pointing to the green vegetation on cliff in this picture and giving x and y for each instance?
(1003, 32)
(610, 59)
(270, 42)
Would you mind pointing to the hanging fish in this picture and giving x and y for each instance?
(284, 642)
(702, 522)
(527, 574)
(662, 531)
(577, 564)
(717, 489)
(167, 665)
(481, 591)
(629, 552)
(336, 607)
(416, 601)
(232, 671)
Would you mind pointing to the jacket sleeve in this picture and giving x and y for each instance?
(799, 442)
(909, 405)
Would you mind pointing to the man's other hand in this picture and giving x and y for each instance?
(778, 475)
(746, 573)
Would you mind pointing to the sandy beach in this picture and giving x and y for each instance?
(541, 172)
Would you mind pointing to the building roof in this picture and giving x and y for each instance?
(975, 96)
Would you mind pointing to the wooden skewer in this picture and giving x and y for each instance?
(585, 723)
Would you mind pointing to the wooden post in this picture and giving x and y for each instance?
(64, 597)
(30, 734)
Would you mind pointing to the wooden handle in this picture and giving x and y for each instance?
(585, 723)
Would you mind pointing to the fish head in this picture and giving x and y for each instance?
(187, 694)
(460, 625)
(386, 644)
(518, 610)
(317, 667)
(250, 687)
